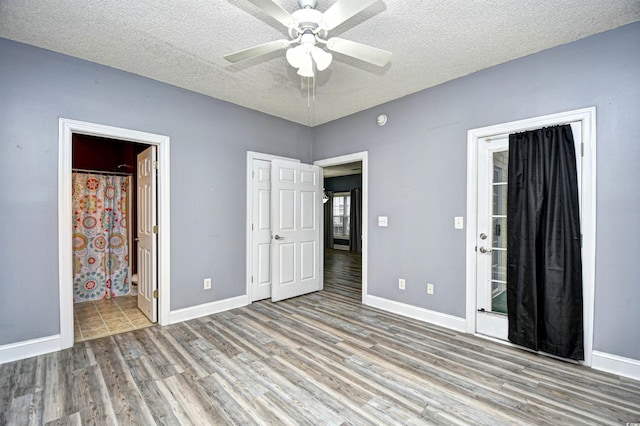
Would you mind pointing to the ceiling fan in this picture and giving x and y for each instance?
(309, 28)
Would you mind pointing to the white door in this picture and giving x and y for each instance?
(261, 230)
(296, 211)
(491, 241)
(147, 234)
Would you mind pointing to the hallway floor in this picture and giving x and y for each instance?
(106, 317)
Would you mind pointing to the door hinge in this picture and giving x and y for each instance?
(251, 279)
(155, 229)
(253, 175)
(252, 226)
(155, 294)
(581, 149)
(155, 165)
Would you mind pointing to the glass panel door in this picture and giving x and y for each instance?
(491, 285)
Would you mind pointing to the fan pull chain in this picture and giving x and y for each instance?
(311, 99)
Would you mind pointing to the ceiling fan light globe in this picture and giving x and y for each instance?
(306, 70)
(322, 59)
(296, 56)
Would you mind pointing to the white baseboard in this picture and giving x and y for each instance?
(421, 314)
(615, 364)
(341, 247)
(29, 348)
(205, 309)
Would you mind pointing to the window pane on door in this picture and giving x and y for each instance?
(499, 231)
(500, 199)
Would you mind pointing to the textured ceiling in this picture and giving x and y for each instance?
(182, 42)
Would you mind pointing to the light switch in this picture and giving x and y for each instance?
(382, 220)
(458, 222)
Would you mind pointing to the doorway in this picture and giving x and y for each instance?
(342, 224)
(487, 154)
(67, 129)
(339, 261)
(105, 243)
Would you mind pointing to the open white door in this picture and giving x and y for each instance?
(147, 234)
(296, 212)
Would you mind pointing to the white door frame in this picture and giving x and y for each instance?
(67, 128)
(251, 155)
(587, 117)
(346, 159)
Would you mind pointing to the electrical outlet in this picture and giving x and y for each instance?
(207, 283)
(429, 288)
(401, 284)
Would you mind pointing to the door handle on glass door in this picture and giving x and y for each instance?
(484, 250)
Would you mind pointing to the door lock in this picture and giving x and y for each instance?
(483, 236)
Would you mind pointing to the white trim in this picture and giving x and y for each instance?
(352, 158)
(28, 348)
(67, 128)
(205, 309)
(615, 364)
(251, 155)
(587, 116)
(432, 317)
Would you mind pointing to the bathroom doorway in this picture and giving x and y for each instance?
(105, 243)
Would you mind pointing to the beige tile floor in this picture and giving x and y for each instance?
(105, 317)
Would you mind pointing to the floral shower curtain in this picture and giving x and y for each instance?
(100, 236)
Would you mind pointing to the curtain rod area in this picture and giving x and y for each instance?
(100, 172)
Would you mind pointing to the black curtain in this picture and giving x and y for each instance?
(328, 221)
(544, 265)
(355, 214)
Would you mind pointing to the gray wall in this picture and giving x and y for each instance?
(417, 173)
(343, 183)
(209, 140)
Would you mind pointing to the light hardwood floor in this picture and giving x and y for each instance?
(318, 359)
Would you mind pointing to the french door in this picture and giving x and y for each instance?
(491, 241)
(491, 237)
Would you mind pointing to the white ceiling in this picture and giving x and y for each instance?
(182, 42)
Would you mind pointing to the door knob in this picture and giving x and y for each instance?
(278, 237)
(484, 250)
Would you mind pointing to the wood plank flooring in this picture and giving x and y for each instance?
(317, 359)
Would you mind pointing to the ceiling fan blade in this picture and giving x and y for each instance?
(274, 10)
(343, 10)
(261, 49)
(365, 53)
